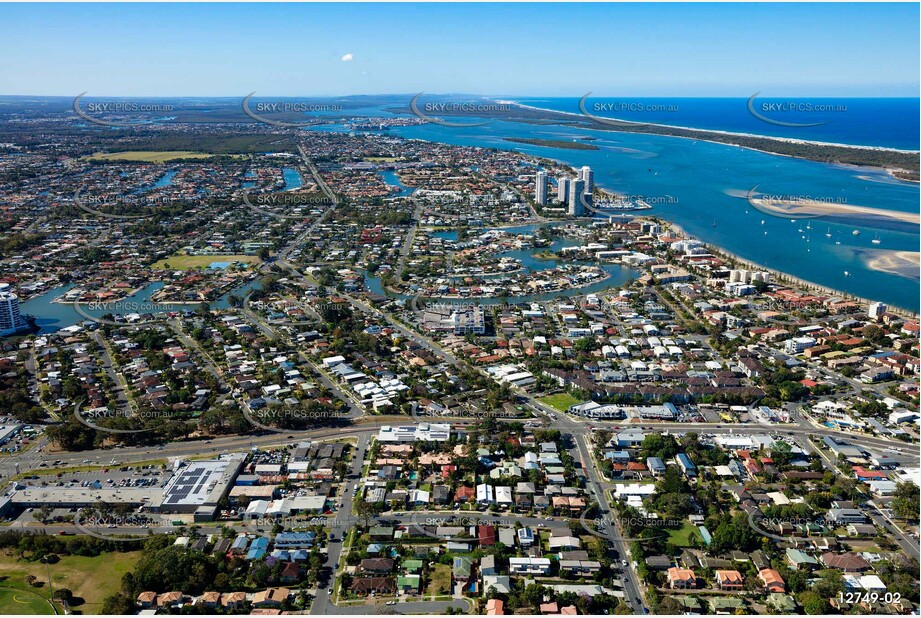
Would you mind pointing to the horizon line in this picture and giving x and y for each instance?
(87, 95)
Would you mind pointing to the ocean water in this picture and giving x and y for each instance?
(702, 186)
(882, 123)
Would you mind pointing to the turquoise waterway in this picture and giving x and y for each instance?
(701, 186)
(52, 316)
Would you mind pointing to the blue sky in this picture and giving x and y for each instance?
(500, 49)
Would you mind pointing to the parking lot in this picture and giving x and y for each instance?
(106, 478)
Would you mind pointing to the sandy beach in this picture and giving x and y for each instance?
(810, 208)
(902, 263)
(788, 140)
(789, 279)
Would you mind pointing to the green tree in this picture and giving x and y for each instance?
(906, 502)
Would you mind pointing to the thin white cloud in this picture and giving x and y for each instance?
(348, 57)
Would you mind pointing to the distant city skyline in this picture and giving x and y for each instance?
(726, 50)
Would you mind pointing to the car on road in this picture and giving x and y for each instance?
(330, 591)
(623, 562)
(391, 602)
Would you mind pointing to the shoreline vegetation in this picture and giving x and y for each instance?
(552, 143)
(900, 164)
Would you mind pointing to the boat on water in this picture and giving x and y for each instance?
(828, 233)
(856, 232)
(622, 205)
(876, 240)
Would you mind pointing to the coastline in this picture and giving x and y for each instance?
(788, 140)
(891, 169)
(787, 277)
(719, 250)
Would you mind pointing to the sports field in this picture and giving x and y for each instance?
(191, 262)
(149, 156)
(91, 579)
(13, 601)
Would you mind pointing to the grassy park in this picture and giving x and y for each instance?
(90, 578)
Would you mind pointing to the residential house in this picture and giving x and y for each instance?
(681, 579)
(772, 580)
(377, 585)
(272, 597)
(729, 580)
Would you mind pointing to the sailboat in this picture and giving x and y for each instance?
(876, 240)
(828, 233)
